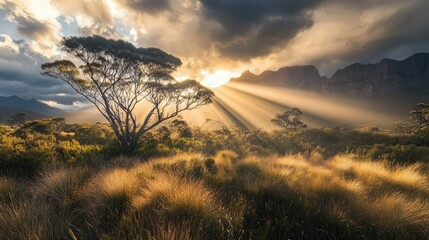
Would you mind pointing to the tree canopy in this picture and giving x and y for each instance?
(290, 120)
(419, 117)
(117, 77)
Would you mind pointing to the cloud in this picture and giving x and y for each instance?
(345, 32)
(20, 74)
(7, 44)
(146, 6)
(92, 17)
(256, 28)
(211, 35)
(265, 38)
(70, 107)
(43, 33)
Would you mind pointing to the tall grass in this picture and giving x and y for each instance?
(191, 196)
(10, 189)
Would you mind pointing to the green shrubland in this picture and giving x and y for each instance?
(70, 181)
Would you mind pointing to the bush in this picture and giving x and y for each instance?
(398, 153)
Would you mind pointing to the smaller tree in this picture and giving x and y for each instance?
(182, 127)
(402, 127)
(420, 116)
(418, 120)
(290, 120)
(18, 119)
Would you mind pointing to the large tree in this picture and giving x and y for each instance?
(117, 77)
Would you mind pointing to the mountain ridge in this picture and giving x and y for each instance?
(386, 78)
(11, 105)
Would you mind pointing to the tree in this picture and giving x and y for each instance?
(419, 117)
(290, 120)
(18, 119)
(117, 77)
(182, 127)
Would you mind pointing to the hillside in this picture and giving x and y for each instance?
(7, 111)
(388, 78)
(34, 109)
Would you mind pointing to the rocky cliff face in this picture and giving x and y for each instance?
(302, 77)
(388, 78)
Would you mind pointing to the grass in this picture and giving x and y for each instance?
(191, 196)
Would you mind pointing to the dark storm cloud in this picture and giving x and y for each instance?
(266, 38)
(407, 27)
(397, 35)
(146, 6)
(20, 75)
(253, 28)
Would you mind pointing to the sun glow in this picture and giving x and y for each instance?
(218, 78)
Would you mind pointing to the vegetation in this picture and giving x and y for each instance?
(18, 119)
(68, 181)
(417, 122)
(420, 117)
(290, 120)
(117, 77)
(226, 196)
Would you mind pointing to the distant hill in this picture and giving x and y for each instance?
(388, 79)
(34, 109)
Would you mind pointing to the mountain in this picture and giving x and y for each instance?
(34, 109)
(303, 77)
(385, 79)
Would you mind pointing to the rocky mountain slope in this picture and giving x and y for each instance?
(386, 79)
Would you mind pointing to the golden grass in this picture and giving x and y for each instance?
(396, 211)
(108, 196)
(10, 189)
(28, 220)
(61, 187)
(180, 197)
(170, 207)
(172, 190)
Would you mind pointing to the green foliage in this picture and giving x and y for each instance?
(236, 187)
(399, 153)
(290, 120)
(26, 150)
(182, 128)
(72, 151)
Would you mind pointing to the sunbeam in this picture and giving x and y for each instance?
(250, 106)
(263, 102)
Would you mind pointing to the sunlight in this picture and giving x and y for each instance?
(317, 108)
(218, 78)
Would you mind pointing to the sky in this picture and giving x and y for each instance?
(215, 39)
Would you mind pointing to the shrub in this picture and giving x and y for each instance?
(398, 153)
(108, 197)
(72, 151)
(172, 207)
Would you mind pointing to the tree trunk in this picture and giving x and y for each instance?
(129, 145)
